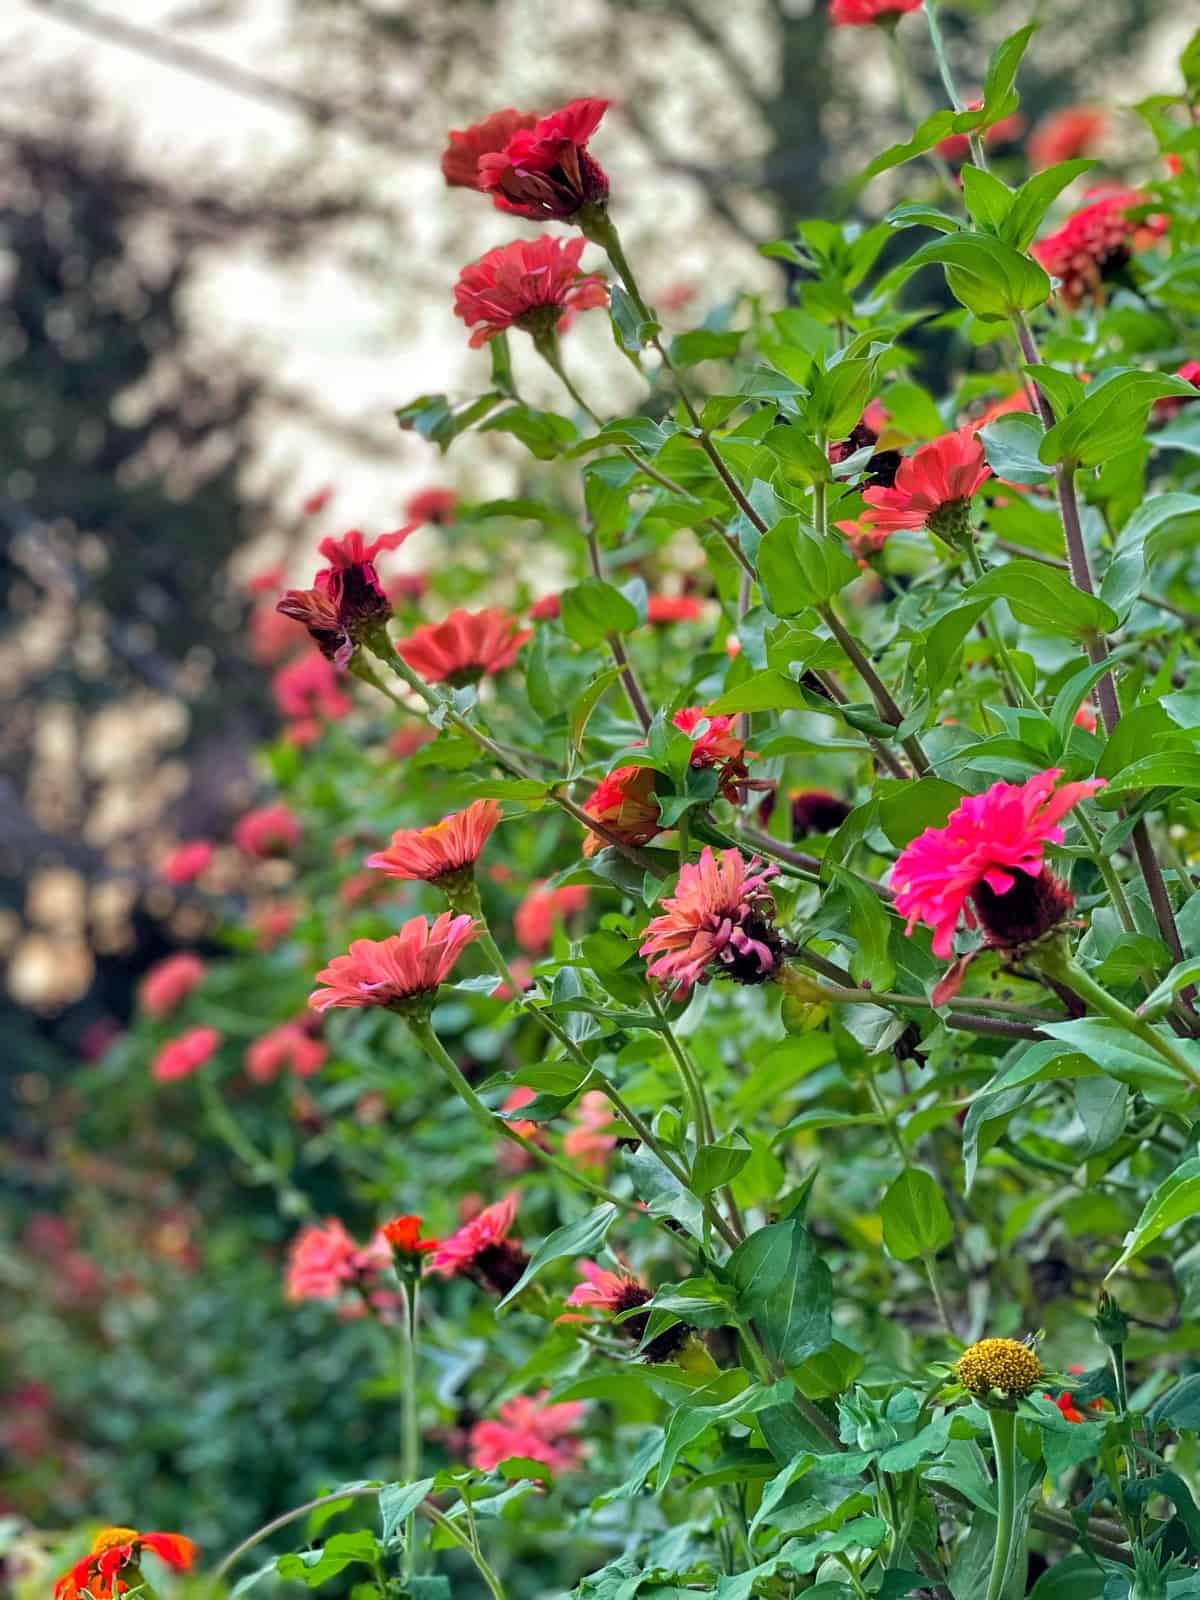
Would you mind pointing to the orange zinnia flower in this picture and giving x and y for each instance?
(450, 847)
(465, 647)
(625, 803)
(404, 1236)
(115, 1550)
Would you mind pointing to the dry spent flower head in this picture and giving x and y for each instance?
(545, 172)
(624, 802)
(1001, 1366)
(718, 923)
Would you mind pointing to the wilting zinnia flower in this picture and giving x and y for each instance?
(1073, 131)
(816, 811)
(443, 854)
(932, 489)
(347, 601)
(716, 924)
(460, 160)
(529, 284)
(187, 861)
(111, 1567)
(988, 864)
(267, 831)
(542, 907)
(714, 744)
(185, 1055)
(385, 972)
(1096, 242)
(482, 1249)
(529, 1427)
(324, 1260)
(290, 1047)
(169, 982)
(621, 1291)
(624, 802)
(545, 172)
(464, 647)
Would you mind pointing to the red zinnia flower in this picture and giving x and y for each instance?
(289, 1047)
(324, 1259)
(309, 690)
(1096, 242)
(182, 1056)
(1171, 405)
(347, 600)
(464, 647)
(535, 918)
(988, 864)
(268, 831)
(187, 861)
(119, 1549)
(530, 1428)
(169, 982)
(403, 1234)
(431, 505)
(383, 972)
(717, 924)
(530, 284)
(1073, 131)
(857, 13)
(460, 160)
(667, 608)
(625, 803)
(545, 172)
(717, 746)
(449, 847)
(482, 1248)
(933, 488)
(546, 609)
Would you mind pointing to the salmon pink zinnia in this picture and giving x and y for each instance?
(463, 648)
(447, 850)
(169, 982)
(718, 923)
(324, 1260)
(268, 831)
(545, 172)
(386, 972)
(481, 1248)
(290, 1047)
(714, 744)
(117, 1550)
(932, 489)
(530, 284)
(530, 1428)
(185, 1055)
(987, 864)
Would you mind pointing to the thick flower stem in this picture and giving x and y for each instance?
(464, 1541)
(1003, 1425)
(634, 693)
(412, 1437)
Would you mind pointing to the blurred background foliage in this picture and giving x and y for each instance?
(225, 254)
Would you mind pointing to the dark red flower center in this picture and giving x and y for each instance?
(1025, 912)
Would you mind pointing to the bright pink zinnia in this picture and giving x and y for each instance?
(987, 863)
(309, 689)
(449, 847)
(460, 160)
(933, 488)
(184, 1055)
(381, 972)
(290, 1047)
(187, 861)
(545, 172)
(1096, 242)
(530, 284)
(717, 923)
(464, 647)
(535, 918)
(529, 1427)
(857, 13)
(268, 831)
(169, 982)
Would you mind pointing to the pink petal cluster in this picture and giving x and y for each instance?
(528, 1427)
(491, 1226)
(545, 172)
(187, 861)
(267, 831)
(324, 1259)
(185, 1055)
(288, 1048)
(858, 13)
(169, 982)
(715, 922)
(590, 1142)
(1095, 241)
(379, 972)
(530, 284)
(610, 1291)
(535, 918)
(464, 647)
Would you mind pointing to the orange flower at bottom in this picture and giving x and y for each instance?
(114, 1550)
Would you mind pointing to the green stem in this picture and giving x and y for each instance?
(1008, 672)
(412, 1437)
(261, 1169)
(548, 349)
(939, 1296)
(294, 1515)
(886, 706)
(453, 1531)
(947, 77)
(1003, 1425)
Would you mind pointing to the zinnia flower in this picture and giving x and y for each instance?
(404, 1236)
(857, 13)
(546, 609)
(987, 864)
(1085, 717)
(545, 172)
(187, 861)
(185, 1055)
(268, 831)
(530, 284)
(290, 1047)
(324, 1260)
(1172, 404)
(883, 464)
(663, 609)
(169, 982)
(308, 690)
(460, 160)
(932, 489)
(529, 1427)
(535, 918)
(624, 802)
(816, 811)
(436, 506)
(1073, 131)
(409, 965)
(347, 601)
(273, 922)
(464, 647)
(717, 924)
(111, 1567)
(482, 1249)
(1096, 242)
(443, 854)
(615, 1292)
(714, 744)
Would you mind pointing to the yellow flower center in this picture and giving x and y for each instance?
(1003, 1364)
(111, 1538)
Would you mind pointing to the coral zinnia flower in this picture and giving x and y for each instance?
(187, 861)
(530, 284)
(308, 690)
(857, 13)
(404, 1236)
(169, 982)
(545, 172)
(481, 1248)
(717, 923)
(324, 1259)
(624, 801)
(542, 907)
(1096, 242)
(663, 609)
(185, 1055)
(529, 1427)
(347, 600)
(1073, 131)
(289, 1047)
(115, 1550)
(268, 831)
(547, 608)
(447, 850)
(460, 160)
(987, 864)
(386, 972)
(436, 506)
(717, 746)
(933, 488)
(464, 647)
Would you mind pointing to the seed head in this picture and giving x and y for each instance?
(1005, 1365)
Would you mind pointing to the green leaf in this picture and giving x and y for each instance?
(629, 329)
(703, 344)
(915, 805)
(717, 1164)
(839, 396)
(543, 433)
(786, 1288)
(987, 198)
(1063, 389)
(694, 1418)
(436, 419)
(916, 1219)
(928, 133)
(573, 1239)
(984, 274)
(1181, 976)
(1110, 418)
(587, 700)
(870, 927)
(1170, 769)
(1123, 1056)
(1045, 598)
(592, 610)
(799, 569)
(1138, 544)
(1011, 444)
(764, 691)
(999, 98)
(1034, 198)
(314, 1567)
(1179, 1408)
(397, 1501)
(1175, 1199)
